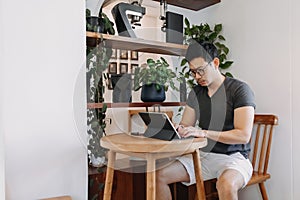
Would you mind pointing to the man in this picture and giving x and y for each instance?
(223, 109)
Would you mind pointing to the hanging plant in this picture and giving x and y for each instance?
(98, 56)
(97, 62)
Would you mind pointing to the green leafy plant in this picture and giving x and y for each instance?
(157, 72)
(97, 62)
(204, 33)
(108, 26)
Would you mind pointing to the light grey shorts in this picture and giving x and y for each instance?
(214, 164)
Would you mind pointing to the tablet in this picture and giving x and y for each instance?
(159, 126)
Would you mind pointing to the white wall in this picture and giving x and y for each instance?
(2, 174)
(264, 55)
(43, 51)
(295, 90)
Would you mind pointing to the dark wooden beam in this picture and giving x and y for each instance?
(192, 4)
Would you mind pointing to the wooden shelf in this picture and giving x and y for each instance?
(135, 104)
(189, 4)
(192, 4)
(136, 44)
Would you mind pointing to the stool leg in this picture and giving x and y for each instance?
(150, 177)
(198, 174)
(109, 175)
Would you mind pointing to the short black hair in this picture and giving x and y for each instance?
(205, 50)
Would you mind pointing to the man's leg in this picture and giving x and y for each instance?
(174, 172)
(228, 184)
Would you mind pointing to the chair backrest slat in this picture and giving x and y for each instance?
(263, 147)
(268, 150)
(256, 141)
(262, 139)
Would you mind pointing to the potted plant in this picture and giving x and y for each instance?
(203, 33)
(154, 78)
(100, 23)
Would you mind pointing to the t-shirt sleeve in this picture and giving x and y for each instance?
(244, 96)
(192, 98)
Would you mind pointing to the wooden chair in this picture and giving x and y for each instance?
(260, 153)
(262, 140)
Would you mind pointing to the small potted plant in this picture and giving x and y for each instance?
(100, 23)
(154, 78)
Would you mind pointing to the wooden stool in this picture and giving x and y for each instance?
(151, 150)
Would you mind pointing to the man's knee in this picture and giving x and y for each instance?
(161, 176)
(226, 183)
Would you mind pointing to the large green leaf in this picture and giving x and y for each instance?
(164, 61)
(221, 37)
(222, 57)
(228, 74)
(225, 49)
(183, 62)
(187, 23)
(226, 65)
(150, 62)
(218, 28)
(212, 36)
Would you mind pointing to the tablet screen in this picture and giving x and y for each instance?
(159, 126)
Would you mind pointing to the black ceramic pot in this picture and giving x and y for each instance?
(149, 93)
(95, 24)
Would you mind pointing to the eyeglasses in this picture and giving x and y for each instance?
(200, 70)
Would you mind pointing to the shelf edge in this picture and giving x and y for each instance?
(136, 104)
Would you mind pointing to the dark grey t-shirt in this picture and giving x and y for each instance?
(217, 112)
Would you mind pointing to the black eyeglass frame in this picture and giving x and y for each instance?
(200, 70)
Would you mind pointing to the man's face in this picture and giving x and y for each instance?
(201, 71)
